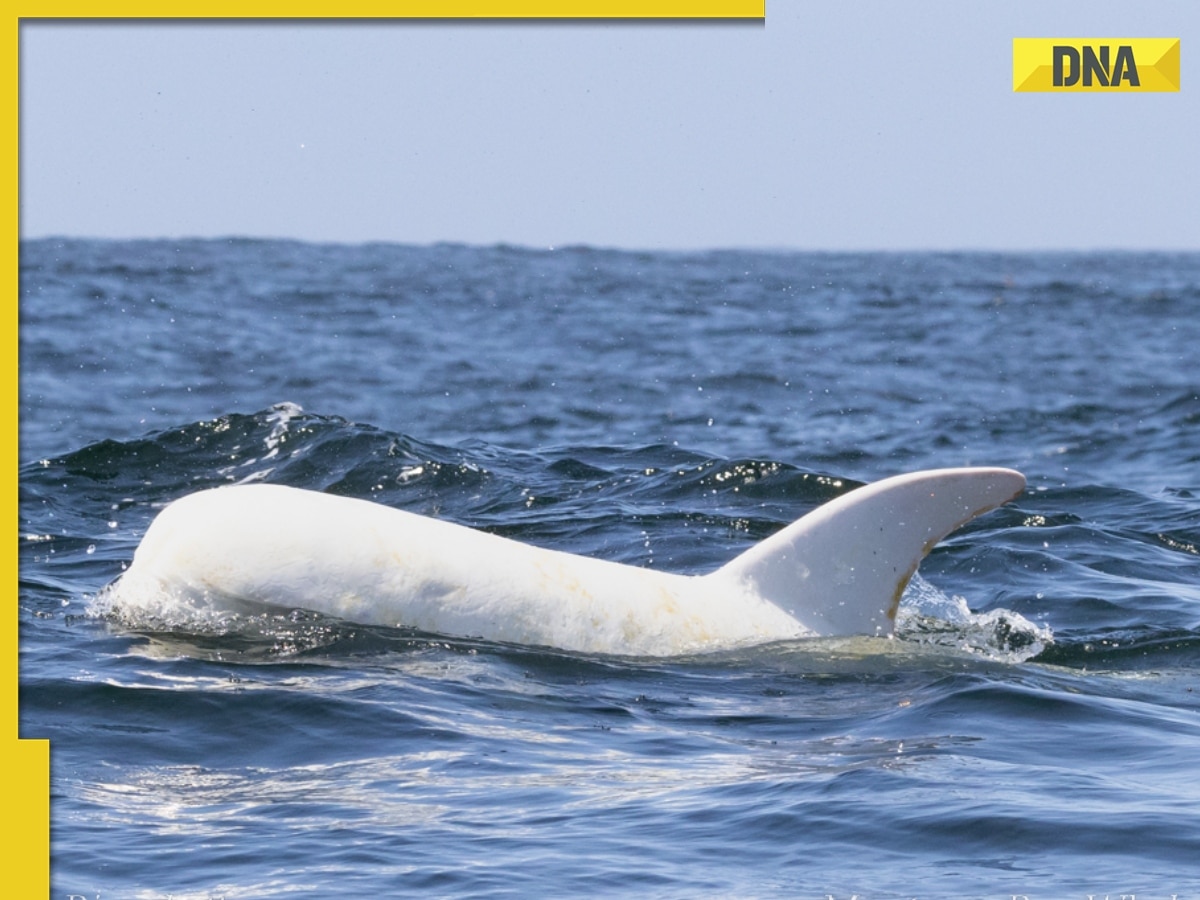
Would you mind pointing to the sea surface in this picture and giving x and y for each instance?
(1032, 731)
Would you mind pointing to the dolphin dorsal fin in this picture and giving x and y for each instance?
(841, 569)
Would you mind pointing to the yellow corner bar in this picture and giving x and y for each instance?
(410, 9)
(26, 763)
(1106, 65)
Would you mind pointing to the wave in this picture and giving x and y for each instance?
(1090, 576)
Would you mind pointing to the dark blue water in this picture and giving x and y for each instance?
(655, 409)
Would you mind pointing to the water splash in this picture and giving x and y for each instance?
(240, 630)
(929, 616)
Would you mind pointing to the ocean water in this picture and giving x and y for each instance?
(1032, 731)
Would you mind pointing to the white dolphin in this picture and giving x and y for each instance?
(840, 570)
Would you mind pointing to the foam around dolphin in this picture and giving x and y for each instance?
(840, 570)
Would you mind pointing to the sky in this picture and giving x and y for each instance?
(832, 126)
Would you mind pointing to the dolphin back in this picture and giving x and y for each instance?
(841, 569)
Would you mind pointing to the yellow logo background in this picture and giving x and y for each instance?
(1157, 63)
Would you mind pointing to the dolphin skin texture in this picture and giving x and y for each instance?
(840, 570)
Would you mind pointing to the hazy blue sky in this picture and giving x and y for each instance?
(887, 125)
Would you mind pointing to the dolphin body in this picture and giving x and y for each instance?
(840, 570)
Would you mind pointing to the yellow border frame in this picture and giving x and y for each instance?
(411, 9)
(26, 779)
